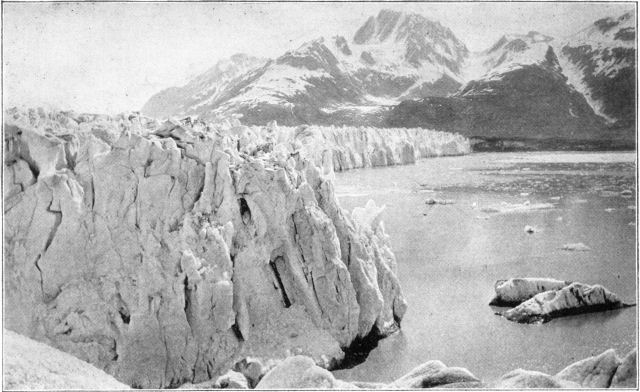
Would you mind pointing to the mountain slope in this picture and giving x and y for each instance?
(600, 63)
(523, 95)
(509, 52)
(392, 57)
(204, 90)
(404, 70)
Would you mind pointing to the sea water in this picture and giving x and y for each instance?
(450, 255)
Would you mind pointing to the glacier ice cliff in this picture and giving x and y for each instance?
(357, 147)
(343, 148)
(163, 253)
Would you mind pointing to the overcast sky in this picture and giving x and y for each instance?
(111, 57)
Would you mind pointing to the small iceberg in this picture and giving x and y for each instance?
(506, 208)
(514, 291)
(577, 247)
(572, 299)
(431, 202)
(608, 194)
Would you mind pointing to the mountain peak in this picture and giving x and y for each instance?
(420, 40)
(379, 27)
(405, 25)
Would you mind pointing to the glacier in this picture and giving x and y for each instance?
(165, 252)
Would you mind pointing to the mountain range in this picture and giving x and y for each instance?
(405, 70)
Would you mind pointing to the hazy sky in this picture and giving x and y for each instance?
(110, 57)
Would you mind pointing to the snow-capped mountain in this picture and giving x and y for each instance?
(204, 91)
(406, 70)
(410, 45)
(525, 98)
(519, 54)
(508, 53)
(535, 87)
(600, 63)
(392, 57)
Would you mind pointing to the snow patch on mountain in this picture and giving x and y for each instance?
(204, 90)
(278, 83)
(509, 53)
(395, 57)
(575, 78)
(599, 61)
(607, 32)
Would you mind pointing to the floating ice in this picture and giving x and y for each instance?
(578, 247)
(505, 208)
(438, 201)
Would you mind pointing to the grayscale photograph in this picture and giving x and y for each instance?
(319, 195)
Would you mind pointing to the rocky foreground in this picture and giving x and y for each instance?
(166, 253)
(606, 370)
(33, 365)
(28, 365)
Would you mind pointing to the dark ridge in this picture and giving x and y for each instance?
(498, 45)
(551, 57)
(626, 34)
(387, 20)
(366, 31)
(440, 88)
(342, 44)
(617, 92)
(367, 58)
(605, 24)
(517, 45)
(497, 144)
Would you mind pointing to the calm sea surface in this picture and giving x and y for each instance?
(449, 256)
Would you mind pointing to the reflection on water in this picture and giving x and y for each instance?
(449, 256)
